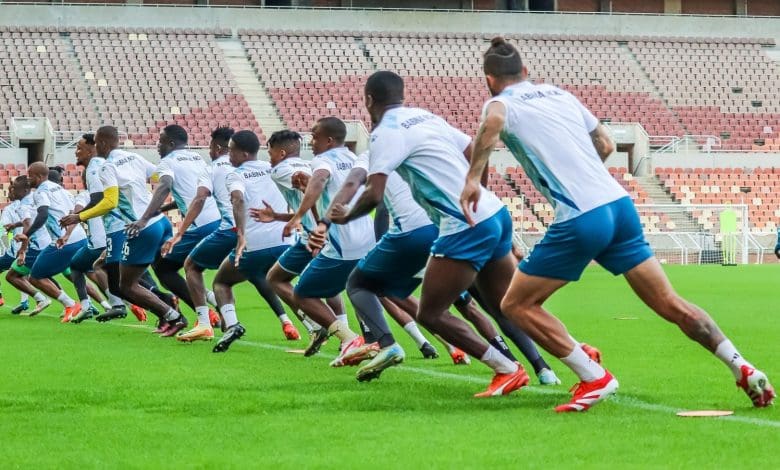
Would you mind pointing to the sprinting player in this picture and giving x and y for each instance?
(123, 177)
(52, 202)
(326, 275)
(429, 155)
(258, 244)
(216, 247)
(562, 146)
(177, 174)
(9, 219)
(288, 173)
(18, 275)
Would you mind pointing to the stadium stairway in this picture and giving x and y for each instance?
(659, 195)
(256, 95)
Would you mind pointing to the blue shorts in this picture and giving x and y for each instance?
(190, 239)
(489, 240)
(257, 263)
(295, 259)
(115, 243)
(392, 264)
(29, 260)
(6, 261)
(324, 277)
(143, 249)
(84, 259)
(52, 260)
(610, 234)
(212, 250)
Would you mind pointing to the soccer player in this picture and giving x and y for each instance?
(177, 174)
(123, 177)
(9, 219)
(52, 202)
(258, 244)
(431, 156)
(562, 146)
(216, 247)
(326, 275)
(18, 275)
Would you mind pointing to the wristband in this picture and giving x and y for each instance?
(326, 221)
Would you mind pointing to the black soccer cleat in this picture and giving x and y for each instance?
(231, 334)
(85, 315)
(428, 351)
(22, 307)
(318, 338)
(114, 313)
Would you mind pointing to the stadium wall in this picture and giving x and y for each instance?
(374, 20)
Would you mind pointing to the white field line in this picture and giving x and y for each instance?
(623, 400)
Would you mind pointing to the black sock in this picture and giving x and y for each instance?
(498, 343)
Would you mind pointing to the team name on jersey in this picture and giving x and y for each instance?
(416, 120)
(188, 158)
(122, 161)
(223, 164)
(253, 174)
(539, 94)
(343, 166)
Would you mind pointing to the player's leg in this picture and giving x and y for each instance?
(167, 272)
(289, 266)
(406, 320)
(17, 277)
(263, 287)
(651, 284)
(411, 305)
(50, 262)
(227, 276)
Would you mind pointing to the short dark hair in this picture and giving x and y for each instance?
(333, 127)
(176, 133)
(55, 175)
(89, 138)
(222, 135)
(22, 181)
(110, 133)
(502, 59)
(283, 137)
(385, 87)
(246, 141)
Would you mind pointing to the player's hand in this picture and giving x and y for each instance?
(317, 239)
(69, 219)
(240, 247)
(469, 199)
(9, 227)
(518, 252)
(61, 241)
(264, 214)
(133, 229)
(338, 214)
(291, 226)
(20, 257)
(169, 244)
(21, 238)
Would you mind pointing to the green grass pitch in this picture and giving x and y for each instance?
(115, 395)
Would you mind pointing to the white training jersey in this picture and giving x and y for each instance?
(355, 239)
(129, 172)
(96, 231)
(428, 154)
(112, 221)
(548, 131)
(253, 180)
(11, 216)
(405, 214)
(282, 175)
(60, 204)
(27, 210)
(213, 178)
(184, 167)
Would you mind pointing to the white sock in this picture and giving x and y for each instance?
(105, 305)
(727, 353)
(284, 318)
(23, 297)
(586, 369)
(171, 315)
(342, 317)
(341, 330)
(114, 300)
(415, 333)
(203, 315)
(211, 299)
(85, 304)
(229, 314)
(65, 300)
(498, 362)
(39, 297)
(310, 324)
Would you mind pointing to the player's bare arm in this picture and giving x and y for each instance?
(487, 138)
(602, 141)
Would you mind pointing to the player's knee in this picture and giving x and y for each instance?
(191, 267)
